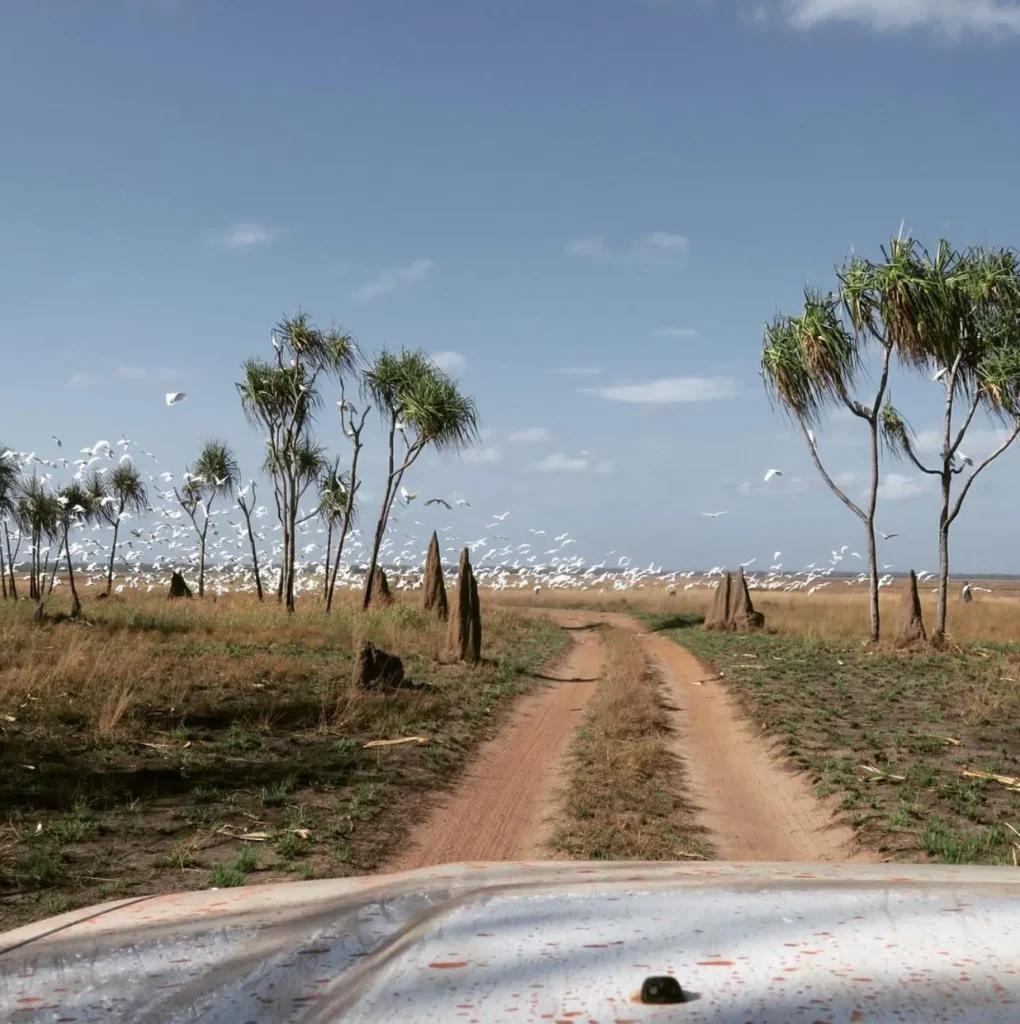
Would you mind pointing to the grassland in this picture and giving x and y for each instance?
(624, 799)
(886, 735)
(135, 751)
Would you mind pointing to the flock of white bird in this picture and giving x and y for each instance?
(162, 539)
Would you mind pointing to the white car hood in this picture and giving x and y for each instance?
(545, 942)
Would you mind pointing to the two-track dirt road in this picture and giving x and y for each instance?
(753, 806)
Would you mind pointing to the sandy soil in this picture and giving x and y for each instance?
(503, 807)
(754, 807)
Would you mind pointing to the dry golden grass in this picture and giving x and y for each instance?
(134, 749)
(624, 798)
(827, 614)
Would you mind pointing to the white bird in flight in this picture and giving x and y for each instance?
(173, 397)
(714, 515)
(407, 495)
(888, 536)
(771, 473)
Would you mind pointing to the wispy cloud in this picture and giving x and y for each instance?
(559, 463)
(658, 249)
(141, 373)
(243, 235)
(588, 248)
(84, 380)
(532, 435)
(977, 441)
(578, 371)
(487, 455)
(450, 362)
(390, 280)
(675, 332)
(952, 17)
(897, 487)
(669, 390)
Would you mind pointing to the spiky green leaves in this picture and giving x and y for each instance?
(410, 387)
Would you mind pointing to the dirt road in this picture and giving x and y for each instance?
(753, 806)
(502, 809)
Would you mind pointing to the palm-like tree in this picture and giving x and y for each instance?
(811, 362)
(38, 516)
(427, 409)
(966, 327)
(335, 505)
(214, 474)
(10, 476)
(281, 397)
(76, 507)
(124, 491)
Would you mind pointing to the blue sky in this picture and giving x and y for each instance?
(589, 208)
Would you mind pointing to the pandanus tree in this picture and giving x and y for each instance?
(334, 500)
(425, 408)
(38, 517)
(281, 397)
(75, 506)
(10, 477)
(963, 327)
(214, 474)
(122, 492)
(813, 362)
(353, 424)
(246, 502)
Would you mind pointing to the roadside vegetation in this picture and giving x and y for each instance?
(180, 746)
(887, 736)
(624, 798)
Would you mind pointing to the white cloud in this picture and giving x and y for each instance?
(450, 362)
(242, 236)
(84, 380)
(559, 463)
(578, 371)
(389, 280)
(953, 17)
(897, 487)
(487, 455)
(658, 248)
(848, 479)
(675, 332)
(976, 441)
(588, 248)
(140, 373)
(532, 435)
(670, 390)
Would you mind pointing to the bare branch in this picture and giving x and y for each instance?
(991, 458)
(833, 486)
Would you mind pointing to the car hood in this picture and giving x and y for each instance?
(566, 942)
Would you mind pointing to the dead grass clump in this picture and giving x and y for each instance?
(624, 798)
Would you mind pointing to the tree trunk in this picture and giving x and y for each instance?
(329, 552)
(201, 561)
(10, 561)
(75, 602)
(56, 564)
(254, 553)
(943, 590)
(113, 554)
(869, 527)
